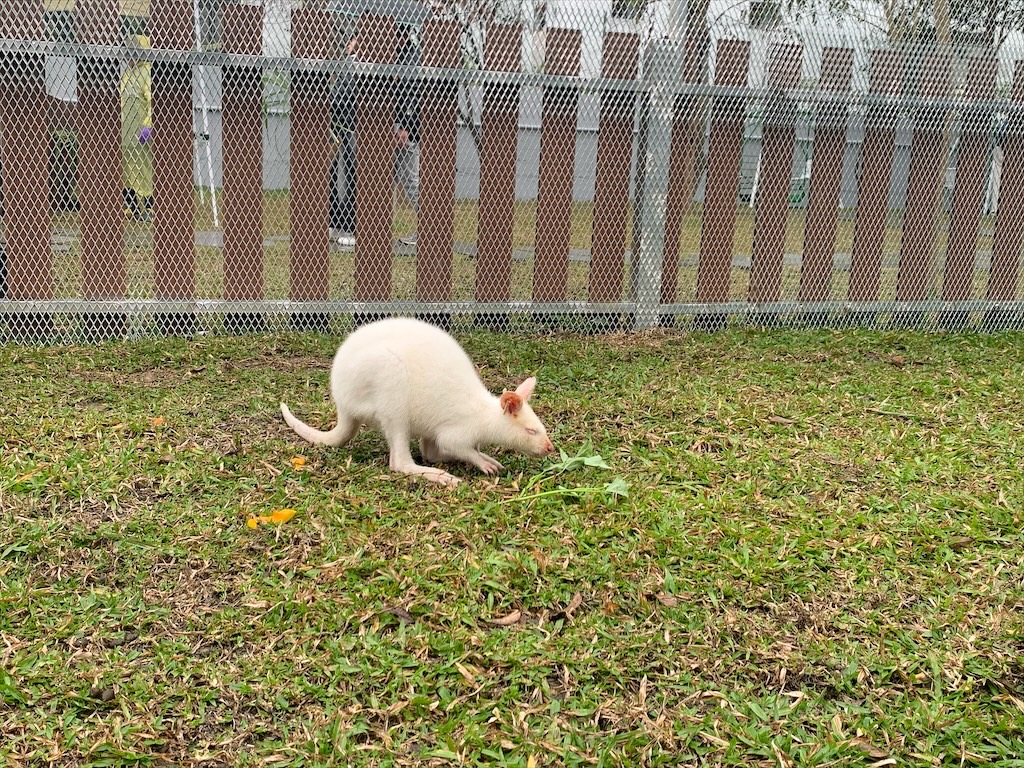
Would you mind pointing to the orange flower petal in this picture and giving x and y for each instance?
(281, 515)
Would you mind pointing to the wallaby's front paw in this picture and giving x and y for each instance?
(489, 465)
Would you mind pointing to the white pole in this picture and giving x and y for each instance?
(206, 117)
(678, 13)
(757, 177)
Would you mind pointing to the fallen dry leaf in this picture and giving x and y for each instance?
(465, 672)
(401, 614)
(298, 462)
(27, 475)
(781, 420)
(669, 601)
(868, 748)
(509, 620)
(156, 422)
(576, 602)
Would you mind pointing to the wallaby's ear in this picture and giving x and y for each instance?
(525, 389)
(511, 403)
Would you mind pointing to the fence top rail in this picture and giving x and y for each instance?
(854, 101)
(11, 307)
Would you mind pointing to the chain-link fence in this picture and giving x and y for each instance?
(183, 166)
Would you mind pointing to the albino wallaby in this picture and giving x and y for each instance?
(409, 380)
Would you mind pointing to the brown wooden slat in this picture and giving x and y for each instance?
(969, 189)
(929, 72)
(99, 166)
(310, 161)
(22, 20)
(557, 163)
(242, 164)
(876, 169)
(499, 142)
(24, 146)
(826, 178)
(375, 157)
(716, 241)
(1009, 228)
(687, 133)
(174, 215)
(97, 22)
(438, 134)
(772, 214)
(619, 59)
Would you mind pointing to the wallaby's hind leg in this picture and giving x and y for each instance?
(428, 450)
(400, 458)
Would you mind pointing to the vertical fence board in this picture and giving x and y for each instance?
(557, 155)
(687, 134)
(926, 75)
(772, 214)
(104, 273)
(1009, 228)
(826, 177)
(310, 163)
(619, 60)
(875, 175)
(716, 241)
(969, 189)
(375, 151)
(24, 145)
(242, 164)
(438, 147)
(174, 215)
(499, 143)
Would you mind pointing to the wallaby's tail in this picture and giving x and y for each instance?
(340, 435)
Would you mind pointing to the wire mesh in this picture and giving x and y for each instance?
(198, 166)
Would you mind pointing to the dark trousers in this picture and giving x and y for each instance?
(343, 204)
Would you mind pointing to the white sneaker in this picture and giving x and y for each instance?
(346, 240)
(408, 239)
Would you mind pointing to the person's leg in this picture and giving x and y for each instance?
(131, 175)
(334, 195)
(407, 173)
(347, 206)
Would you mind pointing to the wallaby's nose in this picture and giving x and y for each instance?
(548, 447)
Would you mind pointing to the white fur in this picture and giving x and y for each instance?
(411, 380)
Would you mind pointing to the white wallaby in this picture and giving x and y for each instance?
(412, 380)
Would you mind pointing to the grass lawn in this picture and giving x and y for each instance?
(818, 560)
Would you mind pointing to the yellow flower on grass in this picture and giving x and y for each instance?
(277, 516)
(282, 515)
(298, 462)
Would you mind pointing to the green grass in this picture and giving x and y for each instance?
(818, 561)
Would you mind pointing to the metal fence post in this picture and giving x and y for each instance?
(663, 69)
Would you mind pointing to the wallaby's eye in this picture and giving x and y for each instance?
(531, 431)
